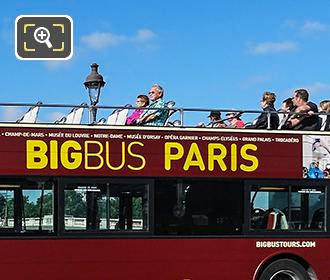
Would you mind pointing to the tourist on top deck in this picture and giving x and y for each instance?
(154, 117)
(141, 102)
(286, 107)
(267, 104)
(303, 117)
(325, 107)
(234, 120)
(215, 120)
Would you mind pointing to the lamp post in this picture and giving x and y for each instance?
(94, 82)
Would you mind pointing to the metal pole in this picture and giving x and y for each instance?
(181, 117)
(93, 110)
(268, 120)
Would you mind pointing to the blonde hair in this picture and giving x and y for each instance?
(269, 97)
(325, 105)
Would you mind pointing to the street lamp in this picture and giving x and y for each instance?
(94, 82)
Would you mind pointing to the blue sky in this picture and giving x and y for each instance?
(211, 54)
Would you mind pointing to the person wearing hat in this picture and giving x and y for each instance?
(234, 120)
(215, 119)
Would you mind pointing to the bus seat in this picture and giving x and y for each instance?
(74, 117)
(276, 219)
(171, 111)
(118, 116)
(323, 121)
(102, 121)
(176, 123)
(318, 219)
(31, 115)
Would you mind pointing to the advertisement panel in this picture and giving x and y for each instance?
(122, 152)
(316, 152)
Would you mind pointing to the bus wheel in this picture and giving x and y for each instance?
(284, 269)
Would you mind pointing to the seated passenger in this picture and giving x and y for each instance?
(154, 117)
(303, 117)
(215, 120)
(287, 107)
(234, 120)
(325, 107)
(267, 105)
(141, 102)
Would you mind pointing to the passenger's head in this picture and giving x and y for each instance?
(142, 101)
(214, 116)
(233, 116)
(287, 105)
(268, 98)
(156, 92)
(300, 97)
(325, 105)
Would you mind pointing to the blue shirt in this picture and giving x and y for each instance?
(161, 115)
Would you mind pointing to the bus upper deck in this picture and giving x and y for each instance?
(109, 148)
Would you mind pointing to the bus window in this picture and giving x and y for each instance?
(198, 207)
(37, 203)
(287, 208)
(266, 205)
(27, 207)
(309, 205)
(99, 207)
(6, 208)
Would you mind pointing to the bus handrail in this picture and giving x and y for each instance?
(181, 110)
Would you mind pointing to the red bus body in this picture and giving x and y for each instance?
(196, 258)
(93, 152)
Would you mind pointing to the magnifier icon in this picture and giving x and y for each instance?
(41, 35)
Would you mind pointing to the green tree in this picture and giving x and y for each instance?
(74, 204)
(137, 207)
(3, 203)
(30, 209)
(47, 204)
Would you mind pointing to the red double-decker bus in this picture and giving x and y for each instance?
(105, 202)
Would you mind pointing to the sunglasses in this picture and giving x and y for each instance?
(152, 92)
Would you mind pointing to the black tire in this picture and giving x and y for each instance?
(284, 269)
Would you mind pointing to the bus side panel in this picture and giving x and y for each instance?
(143, 259)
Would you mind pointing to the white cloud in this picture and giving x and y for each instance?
(11, 114)
(313, 88)
(318, 87)
(101, 40)
(53, 65)
(273, 47)
(143, 35)
(313, 26)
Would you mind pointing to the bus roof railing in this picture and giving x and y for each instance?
(180, 110)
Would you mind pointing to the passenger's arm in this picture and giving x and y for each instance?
(301, 113)
(148, 118)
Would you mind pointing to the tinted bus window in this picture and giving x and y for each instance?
(97, 207)
(6, 208)
(287, 208)
(199, 207)
(26, 207)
